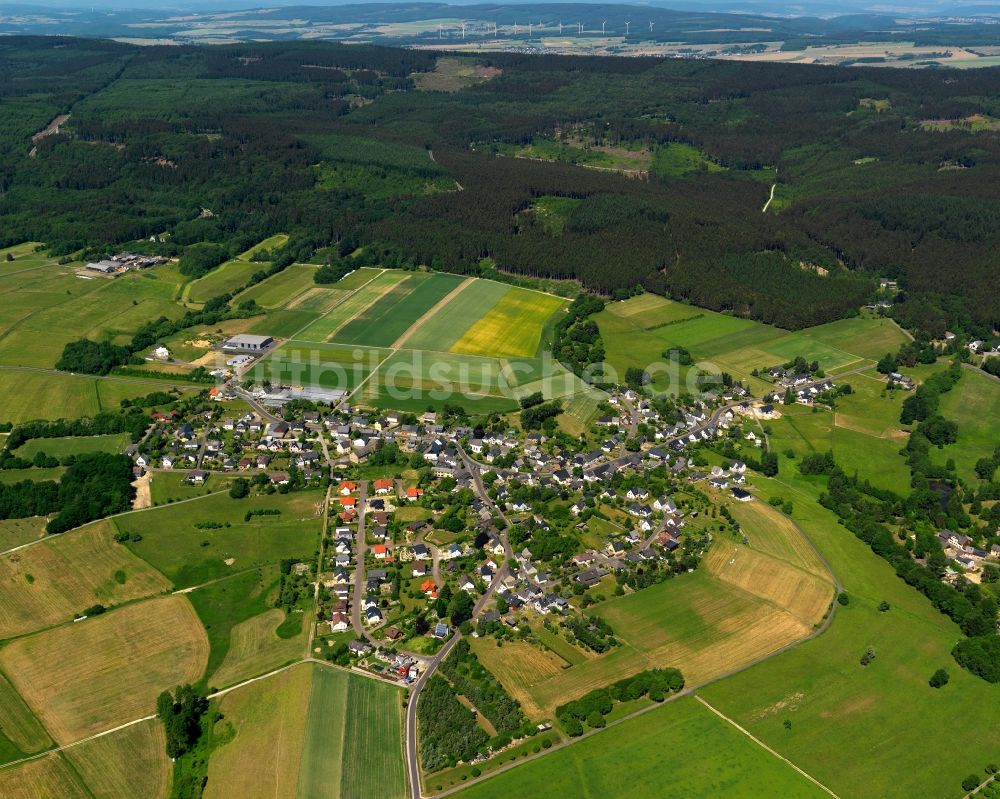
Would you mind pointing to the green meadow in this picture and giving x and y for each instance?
(678, 751)
(837, 708)
(188, 555)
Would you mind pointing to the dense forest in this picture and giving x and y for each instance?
(336, 146)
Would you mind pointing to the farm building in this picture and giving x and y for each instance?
(245, 342)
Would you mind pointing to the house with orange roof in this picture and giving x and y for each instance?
(347, 487)
(413, 494)
(348, 502)
(380, 551)
(429, 587)
(383, 486)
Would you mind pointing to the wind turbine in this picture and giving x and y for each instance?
(651, 26)
(627, 23)
(463, 30)
(529, 30)
(579, 27)
(439, 31)
(603, 23)
(560, 27)
(515, 27)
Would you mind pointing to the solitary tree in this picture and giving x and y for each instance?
(939, 679)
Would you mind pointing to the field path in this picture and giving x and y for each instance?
(399, 342)
(769, 199)
(767, 748)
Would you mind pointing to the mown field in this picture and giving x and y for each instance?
(311, 731)
(20, 731)
(121, 661)
(678, 751)
(50, 582)
(268, 718)
(130, 763)
(47, 776)
(189, 556)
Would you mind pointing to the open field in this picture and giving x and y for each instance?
(839, 709)
(679, 751)
(366, 295)
(353, 745)
(128, 764)
(27, 395)
(868, 337)
(373, 740)
(78, 445)
(14, 532)
(268, 718)
(742, 604)
(49, 776)
(698, 623)
(512, 328)
(522, 664)
(334, 366)
(20, 732)
(281, 290)
(191, 556)
(45, 310)
(121, 661)
(224, 604)
(224, 279)
(50, 582)
(391, 316)
(850, 434)
(638, 331)
(172, 486)
(256, 648)
(441, 331)
(975, 405)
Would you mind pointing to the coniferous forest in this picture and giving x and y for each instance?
(876, 173)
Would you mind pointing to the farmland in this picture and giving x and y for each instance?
(311, 731)
(392, 315)
(268, 718)
(47, 776)
(172, 543)
(20, 732)
(131, 762)
(367, 717)
(839, 708)
(743, 603)
(330, 366)
(51, 581)
(282, 289)
(975, 404)
(122, 661)
(512, 328)
(637, 332)
(640, 757)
